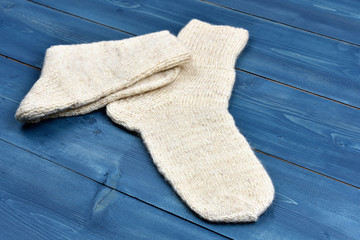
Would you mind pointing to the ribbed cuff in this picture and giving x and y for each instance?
(213, 45)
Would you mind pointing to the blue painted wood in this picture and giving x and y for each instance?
(337, 19)
(306, 130)
(301, 59)
(27, 31)
(307, 205)
(282, 121)
(40, 200)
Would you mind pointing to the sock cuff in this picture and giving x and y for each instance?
(214, 45)
(156, 51)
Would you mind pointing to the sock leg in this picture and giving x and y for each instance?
(84, 77)
(147, 84)
(192, 137)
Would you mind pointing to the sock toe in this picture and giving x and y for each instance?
(234, 209)
(45, 98)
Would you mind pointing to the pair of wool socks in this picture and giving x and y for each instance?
(180, 108)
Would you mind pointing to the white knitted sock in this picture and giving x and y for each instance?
(192, 137)
(78, 79)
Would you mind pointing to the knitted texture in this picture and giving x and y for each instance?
(192, 137)
(78, 79)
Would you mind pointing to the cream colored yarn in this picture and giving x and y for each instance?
(192, 137)
(77, 79)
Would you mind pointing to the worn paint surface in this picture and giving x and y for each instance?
(85, 178)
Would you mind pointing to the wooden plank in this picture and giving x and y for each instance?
(307, 205)
(306, 130)
(336, 19)
(301, 59)
(275, 121)
(40, 200)
(29, 31)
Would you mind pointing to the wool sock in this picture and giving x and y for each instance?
(192, 137)
(77, 79)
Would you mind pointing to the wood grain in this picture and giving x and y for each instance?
(27, 30)
(337, 19)
(40, 200)
(301, 59)
(304, 129)
(307, 205)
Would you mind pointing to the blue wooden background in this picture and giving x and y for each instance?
(296, 99)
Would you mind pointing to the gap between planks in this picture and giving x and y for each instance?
(305, 168)
(299, 89)
(114, 189)
(82, 18)
(277, 22)
(15, 60)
